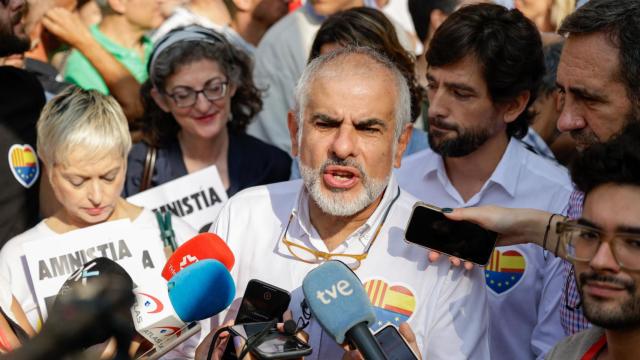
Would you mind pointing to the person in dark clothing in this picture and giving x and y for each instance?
(21, 99)
(198, 101)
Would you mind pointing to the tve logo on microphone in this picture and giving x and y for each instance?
(342, 287)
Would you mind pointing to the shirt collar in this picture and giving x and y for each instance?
(118, 49)
(505, 175)
(301, 224)
(432, 163)
(507, 172)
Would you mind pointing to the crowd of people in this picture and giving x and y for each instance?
(326, 122)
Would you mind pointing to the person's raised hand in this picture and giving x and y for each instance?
(514, 226)
(434, 256)
(67, 27)
(202, 350)
(404, 330)
(407, 333)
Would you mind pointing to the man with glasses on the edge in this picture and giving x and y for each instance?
(604, 247)
(350, 128)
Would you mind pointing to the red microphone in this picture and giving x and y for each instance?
(200, 247)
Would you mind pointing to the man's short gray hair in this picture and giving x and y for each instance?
(81, 119)
(403, 99)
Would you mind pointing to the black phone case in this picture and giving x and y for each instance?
(461, 239)
(242, 312)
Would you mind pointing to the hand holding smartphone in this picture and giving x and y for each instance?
(272, 344)
(261, 302)
(429, 227)
(393, 344)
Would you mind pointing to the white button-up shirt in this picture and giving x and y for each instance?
(445, 306)
(523, 283)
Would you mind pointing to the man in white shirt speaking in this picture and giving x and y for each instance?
(485, 67)
(350, 129)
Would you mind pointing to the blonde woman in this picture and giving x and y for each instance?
(83, 140)
(546, 14)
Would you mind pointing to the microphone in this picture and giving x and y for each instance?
(198, 292)
(157, 320)
(201, 290)
(92, 305)
(339, 302)
(103, 291)
(201, 246)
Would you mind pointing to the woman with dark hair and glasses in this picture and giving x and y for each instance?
(198, 101)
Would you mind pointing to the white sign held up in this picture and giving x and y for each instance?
(197, 197)
(51, 261)
(138, 250)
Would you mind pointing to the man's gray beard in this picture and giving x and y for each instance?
(334, 203)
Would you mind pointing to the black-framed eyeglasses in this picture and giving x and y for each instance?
(184, 96)
(582, 242)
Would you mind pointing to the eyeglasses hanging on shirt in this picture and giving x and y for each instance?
(313, 256)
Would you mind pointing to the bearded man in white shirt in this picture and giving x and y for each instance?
(485, 67)
(350, 129)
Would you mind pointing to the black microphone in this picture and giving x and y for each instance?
(103, 292)
(92, 305)
(339, 302)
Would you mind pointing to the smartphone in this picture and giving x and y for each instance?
(261, 302)
(393, 344)
(274, 345)
(430, 228)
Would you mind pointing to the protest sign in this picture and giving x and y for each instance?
(196, 198)
(137, 249)
(52, 260)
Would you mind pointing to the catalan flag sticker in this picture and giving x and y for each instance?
(504, 271)
(23, 162)
(392, 303)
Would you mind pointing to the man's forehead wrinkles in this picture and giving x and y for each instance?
(587, 56)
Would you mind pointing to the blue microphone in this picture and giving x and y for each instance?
(339, 302)
(201, 290)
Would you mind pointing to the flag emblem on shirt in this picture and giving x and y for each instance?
(391, 303)
(504, 271)
(23, 163)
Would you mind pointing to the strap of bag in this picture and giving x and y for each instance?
(149, 166)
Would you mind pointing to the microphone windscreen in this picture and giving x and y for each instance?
(91, 300)
(201, 290)
(290, 327)
(200, 247)
(92, 271)
(337, 298)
